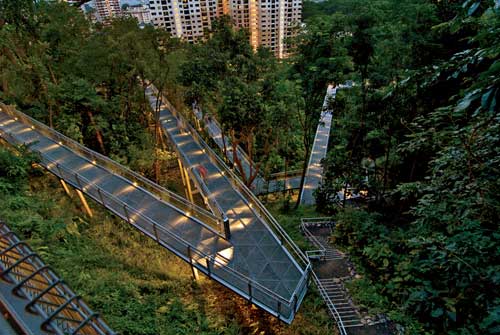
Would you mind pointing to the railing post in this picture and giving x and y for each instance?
(193, 270)
(126, 213)
(59, 170)
(78, 181)
(279, 311)
(208, 267)
(100, 196)
(295, 300)
(250, 292)
(156, 232)
(227, 230)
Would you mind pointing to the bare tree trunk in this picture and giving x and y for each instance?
(303, 177)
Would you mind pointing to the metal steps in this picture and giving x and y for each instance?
(338, 296)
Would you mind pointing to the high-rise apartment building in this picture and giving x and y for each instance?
(269, 22)
(184, 19)
(107, 8)
(140, 12)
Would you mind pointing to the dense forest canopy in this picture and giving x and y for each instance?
(419, 133)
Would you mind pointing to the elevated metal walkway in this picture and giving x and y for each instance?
(262, 251)
(274, 183)
(255, 263)
(36, 300)
(318, 152)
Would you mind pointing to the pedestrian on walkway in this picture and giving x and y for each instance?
(202, 171)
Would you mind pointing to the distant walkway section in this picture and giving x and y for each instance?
(274, 183)
(314, 171)
(35, 299)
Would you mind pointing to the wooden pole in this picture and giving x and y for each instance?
(84, 202)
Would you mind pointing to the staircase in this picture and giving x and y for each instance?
(339, 297)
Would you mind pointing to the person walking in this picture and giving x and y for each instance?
(202, 171)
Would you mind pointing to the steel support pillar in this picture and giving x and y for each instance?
(66, 188)
(188, 183)
(84, 203)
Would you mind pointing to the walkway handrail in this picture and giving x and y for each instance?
(253, 202)
(317, 220)
(313, 239)
(61, 310)
(330, 304)
(203, 216)
(159, 233)
(213, 203)
(282, 175)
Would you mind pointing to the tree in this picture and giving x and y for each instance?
(321, 58)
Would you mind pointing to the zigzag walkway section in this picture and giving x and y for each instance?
(262, 251)
(318, 152)
(275, 183)
(35, 300)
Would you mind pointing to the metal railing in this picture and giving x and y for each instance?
(285, 175)
(179, 203)
(42, 292)
(305, 223)
(331, 306)
(213, 265)
(260, 211)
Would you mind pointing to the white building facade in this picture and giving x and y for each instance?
(141, 13)
(270, 22)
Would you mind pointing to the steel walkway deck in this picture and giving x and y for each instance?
(262, 251)
(318, 152)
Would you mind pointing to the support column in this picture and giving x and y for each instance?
(196, 275)
(181, 168)
(194, 270)
(84, 202)
(188, 184)
(182, 173)
(66, 188)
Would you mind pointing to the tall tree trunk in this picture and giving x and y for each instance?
(386, 165)
(98, 133)
(303, 176)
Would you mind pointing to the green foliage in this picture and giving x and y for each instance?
(247, 91)
(426, 149)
